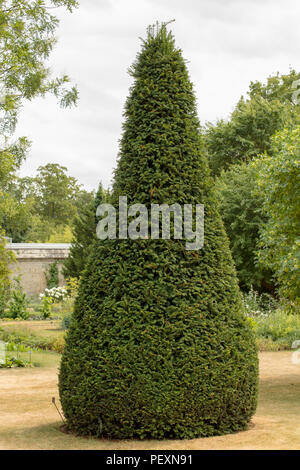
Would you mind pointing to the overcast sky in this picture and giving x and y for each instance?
(228, 44)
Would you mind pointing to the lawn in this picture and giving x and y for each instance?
(46, 329)
(30, 421)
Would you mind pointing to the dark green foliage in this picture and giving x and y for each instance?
(246, 135)
(66, 322)
(52, 275)
(84, 234)
(268, 108)
(157, 346)
(240, 205)
(84, 237)
(17, 306)
(101, 197)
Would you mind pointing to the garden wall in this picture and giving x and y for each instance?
(33, 259)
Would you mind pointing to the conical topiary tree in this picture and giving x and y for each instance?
(158, 346)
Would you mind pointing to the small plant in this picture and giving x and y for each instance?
(58, 345)
(14, 347)
(46, 307)
(17, 307)
(52, 275)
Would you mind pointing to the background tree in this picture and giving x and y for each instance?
(43, 208)
(56, 192)
(279, 183)
(84, 235)
(27, 37)
(248, 132)
(241, 207)
(157, 345)
(246, 135)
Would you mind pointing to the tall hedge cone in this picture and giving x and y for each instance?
(158, 346)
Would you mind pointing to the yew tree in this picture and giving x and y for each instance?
(158, 346)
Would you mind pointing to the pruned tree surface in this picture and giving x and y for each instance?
(157, 346)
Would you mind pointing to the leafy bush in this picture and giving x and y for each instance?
(46, 307)
(58, 345)
(56, 294)
(4, 298)
(158, 346)
(267, 344)
(17, 307)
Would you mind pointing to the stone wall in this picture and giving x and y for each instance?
(33, 259)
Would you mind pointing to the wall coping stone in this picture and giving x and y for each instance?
(40, 250)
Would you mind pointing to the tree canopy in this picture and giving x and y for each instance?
(279, 184)
(27, 38)
(253, 122)
(241, 207)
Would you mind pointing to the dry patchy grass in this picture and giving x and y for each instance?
(28, 419)
(43, 328)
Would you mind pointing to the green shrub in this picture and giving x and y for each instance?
(45, 307)
(58, 345)
(158, 346)
(56, 294)
(17, 306)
